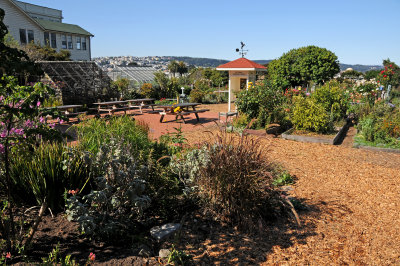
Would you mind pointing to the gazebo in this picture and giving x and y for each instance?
(241, 72)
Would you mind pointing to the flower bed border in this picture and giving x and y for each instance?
(372, 148)
(335, 141)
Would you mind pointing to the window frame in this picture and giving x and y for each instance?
(46, 37)
(22, 36)
(30, 33)
(70, 42)
(53, 40)
(84, 43)
(78, 43)
(64, 44)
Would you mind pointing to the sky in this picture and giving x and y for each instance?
(357, 31)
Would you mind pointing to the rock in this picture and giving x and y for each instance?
(164, 253)
(164, 231)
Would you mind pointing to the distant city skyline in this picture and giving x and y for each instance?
(358, 32)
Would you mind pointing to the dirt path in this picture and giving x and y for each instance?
(354, 200)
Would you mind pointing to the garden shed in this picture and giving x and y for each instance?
(241, 72)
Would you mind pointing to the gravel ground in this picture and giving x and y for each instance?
(353, 218)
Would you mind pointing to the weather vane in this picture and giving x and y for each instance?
(241, 51)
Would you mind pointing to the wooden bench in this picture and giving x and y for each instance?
(226, 114)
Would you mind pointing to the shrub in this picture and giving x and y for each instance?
(47, 172)
(117, 201)
(332, 97)
(264, 102)
(235, 184)
(148, 91)
(196, 96)
(241, 121)
(94, 133)
(310, 115)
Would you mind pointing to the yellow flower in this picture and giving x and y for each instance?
(177, 109)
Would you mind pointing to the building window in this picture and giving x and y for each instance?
(83, 43)
(63, 42)
(70, 44)
(53, 40)
(22, 36)
(78, 43)
(46, 38)
(31, 36)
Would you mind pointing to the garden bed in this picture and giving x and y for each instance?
(334, 139)
(367, 145)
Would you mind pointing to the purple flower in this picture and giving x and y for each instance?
(2, 149)
(29, 123)
(3, 134)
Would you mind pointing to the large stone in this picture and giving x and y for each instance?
(164, 253)
(164, 231)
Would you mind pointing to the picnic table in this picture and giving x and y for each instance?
(141, 103)
(180, 110)
(111, 107)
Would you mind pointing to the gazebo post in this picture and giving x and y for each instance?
(229, 95)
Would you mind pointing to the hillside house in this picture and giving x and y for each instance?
(27, 22)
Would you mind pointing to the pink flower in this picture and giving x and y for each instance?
(38, 104)
(52, 125)
(92, 256)
(28, 123)
(41, 119)
(8, 255)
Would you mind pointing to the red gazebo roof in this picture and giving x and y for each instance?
(241, 64)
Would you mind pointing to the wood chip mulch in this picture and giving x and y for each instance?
(352, 217)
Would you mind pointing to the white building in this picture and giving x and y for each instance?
(27, 22)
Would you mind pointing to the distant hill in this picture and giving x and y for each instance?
(210, 62)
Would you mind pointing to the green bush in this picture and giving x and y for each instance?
(310, 115)
(264, 102)
(47, 172)
(196, 96)
(241, 121)
(94, 133)
(117, 201)
(334, 100)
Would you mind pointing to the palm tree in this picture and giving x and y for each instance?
(173, 67)
(182, 68)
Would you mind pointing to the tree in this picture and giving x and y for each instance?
(173, 67)
(302, 65)
(162, 80)
(37, 52)
(182, 68)
(122, 85)
(352, 74)
(372, 74)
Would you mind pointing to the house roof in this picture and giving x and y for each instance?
(61, 27)
(241, 64)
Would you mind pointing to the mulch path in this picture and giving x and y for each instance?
(351, 213)
(353, 217)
